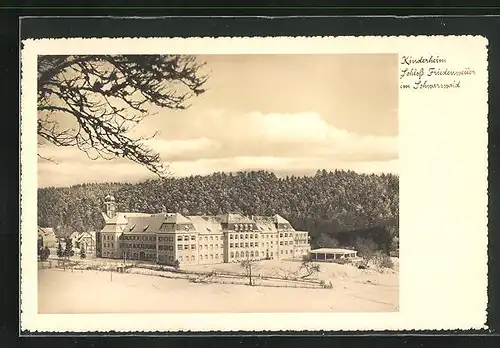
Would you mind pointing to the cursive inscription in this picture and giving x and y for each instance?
(430, 72)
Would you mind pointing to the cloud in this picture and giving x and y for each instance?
(297, 143)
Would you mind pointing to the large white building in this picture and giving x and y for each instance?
(167, 237)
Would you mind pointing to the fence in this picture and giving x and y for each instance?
(220, 277)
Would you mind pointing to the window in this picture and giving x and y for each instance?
(186, 237)
(171, 258)
(286, 251)
(230, 245)
(222, 246)
(281, 242)
(186, 247)
(236, 227)
(211, 256)
(256, 254)
(246, 245)
(281, 234)
(179, 247)
(247, 254)
(206, 257)
(251, 253)
(211, 237)
(217, 256)
(251, 236)
(286, 243)
(211, 246)
(230, 236)
(206, 246)
(251, 244)
(179, 238)
(193, 246)
(180, 258)
(193, 237)
(237, 254)
(241, 236)
(246, 236)
(232, 254)
(206, 238)
(216, 237)
(192, 258)
(235, 236)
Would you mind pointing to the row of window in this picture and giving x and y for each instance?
(185, 238)
(109, 245)
(244, 245)
(243, 227)
(143, 238)
(107, 237)
(202, 257)
(138, 246)
(245, 254)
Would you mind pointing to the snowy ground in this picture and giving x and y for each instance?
(354, 290)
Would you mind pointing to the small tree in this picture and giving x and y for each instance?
(311, 268)
(82, 253)
(249, 266)
(60, 251)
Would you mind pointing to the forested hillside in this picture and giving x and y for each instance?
(335, 207)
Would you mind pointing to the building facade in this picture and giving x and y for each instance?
(168, 237)
(47, 237)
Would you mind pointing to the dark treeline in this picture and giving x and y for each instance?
(340, 208)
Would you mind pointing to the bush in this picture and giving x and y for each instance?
(382, 260)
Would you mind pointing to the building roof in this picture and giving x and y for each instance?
(175, 218)
(144, 224)
(333, 251)
(235, 218)
(280, 219)
(206, 224)
(46, 231)
(265, 223)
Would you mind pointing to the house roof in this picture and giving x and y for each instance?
(333, 251)
(206, 224)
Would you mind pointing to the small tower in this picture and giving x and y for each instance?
(110, 203)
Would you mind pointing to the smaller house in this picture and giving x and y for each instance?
(334, 255)
(47, 237)
(86, 240)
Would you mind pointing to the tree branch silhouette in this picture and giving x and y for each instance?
(107, 96)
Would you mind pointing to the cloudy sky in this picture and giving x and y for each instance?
(291, 114)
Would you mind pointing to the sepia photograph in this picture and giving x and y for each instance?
(253, 184)
(218, 183)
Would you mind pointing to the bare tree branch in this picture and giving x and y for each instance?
(107, 96)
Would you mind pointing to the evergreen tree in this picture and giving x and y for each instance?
(82, 253)
(68, 250)
(44, 254)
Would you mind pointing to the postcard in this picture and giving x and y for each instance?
(254, 184)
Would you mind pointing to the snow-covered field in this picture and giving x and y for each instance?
(354, 290)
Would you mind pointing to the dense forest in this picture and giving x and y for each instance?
(337, 208)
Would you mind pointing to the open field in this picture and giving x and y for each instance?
(354, 290)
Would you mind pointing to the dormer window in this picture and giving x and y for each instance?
(236, 227)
